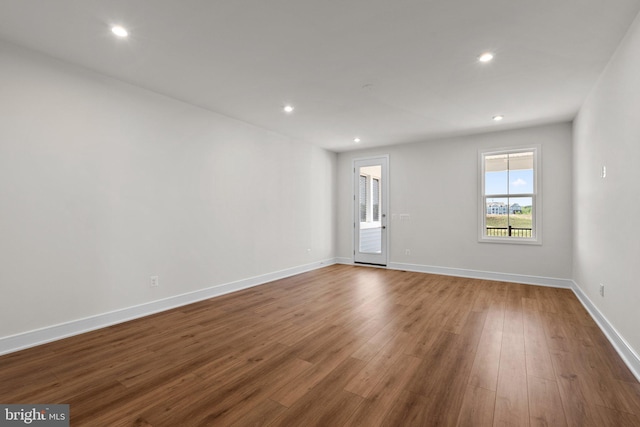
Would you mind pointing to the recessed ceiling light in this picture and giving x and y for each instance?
(356, 139)
(288, 108)
(485, 57)
(498, 118)
(119, 31)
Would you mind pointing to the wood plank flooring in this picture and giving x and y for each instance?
(341, 346)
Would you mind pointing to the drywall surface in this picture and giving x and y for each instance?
(103, 184)
(435, 183)
(606, 227)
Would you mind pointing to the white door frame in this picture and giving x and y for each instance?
(371, 258)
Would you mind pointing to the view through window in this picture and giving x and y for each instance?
(508, 202)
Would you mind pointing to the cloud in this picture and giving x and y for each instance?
(519, 182)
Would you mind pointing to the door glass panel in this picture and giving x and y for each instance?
(363, 198)
(370, 208)
(375, 197)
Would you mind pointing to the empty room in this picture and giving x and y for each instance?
(312, 213)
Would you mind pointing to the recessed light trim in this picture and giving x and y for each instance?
(486, 57)
(497, 117)
(288, 109)
(119, 31)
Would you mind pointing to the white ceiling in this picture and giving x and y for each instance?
(388, 71)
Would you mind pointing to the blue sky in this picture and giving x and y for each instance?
(518, 181)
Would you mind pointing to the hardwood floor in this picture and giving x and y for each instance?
(341, 346)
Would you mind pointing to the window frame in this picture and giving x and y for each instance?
(536, 197)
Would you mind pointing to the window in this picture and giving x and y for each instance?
(369, 190)
(364, 200)
(376, 198)
(509, 196)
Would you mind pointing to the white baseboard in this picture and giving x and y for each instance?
(486, 275)
(52, 333)
(626, 352)
(36, 337)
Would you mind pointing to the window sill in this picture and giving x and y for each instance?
(510, 240)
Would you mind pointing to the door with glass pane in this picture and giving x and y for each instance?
(370, 210)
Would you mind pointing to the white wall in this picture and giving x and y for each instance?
(436, 183)
(606, 226)
(103, 184)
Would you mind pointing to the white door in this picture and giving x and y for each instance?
(370, 197)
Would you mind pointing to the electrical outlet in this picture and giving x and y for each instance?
(601, 289)
(155, 281)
